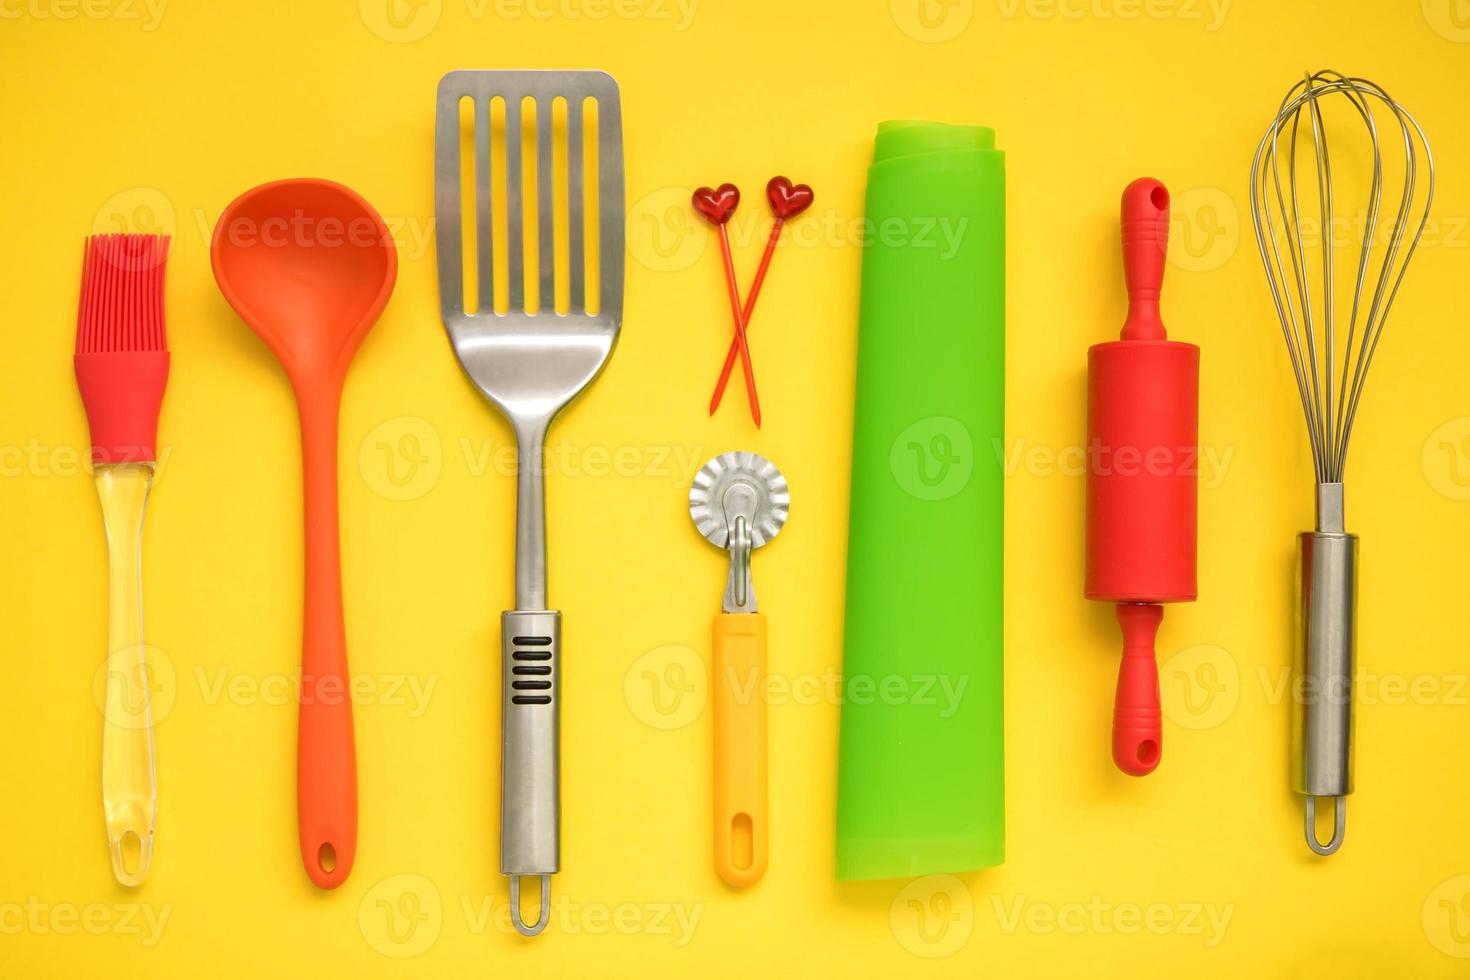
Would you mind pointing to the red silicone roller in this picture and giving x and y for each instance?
(1142, 445)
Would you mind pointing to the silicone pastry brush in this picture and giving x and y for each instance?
(739, 501)
(1332, 294)
(122, 366)
(1142, 435)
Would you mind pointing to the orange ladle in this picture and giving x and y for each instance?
(309, 265)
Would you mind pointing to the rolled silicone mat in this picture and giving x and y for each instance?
(921, 761)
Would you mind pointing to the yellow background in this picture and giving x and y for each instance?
(112, 116)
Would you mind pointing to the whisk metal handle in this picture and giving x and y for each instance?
(1322, 725)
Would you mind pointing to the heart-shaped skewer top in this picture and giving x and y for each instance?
(788, 199)
(717, 204)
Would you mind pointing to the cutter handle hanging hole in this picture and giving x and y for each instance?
(543, 912)
(1339, 825)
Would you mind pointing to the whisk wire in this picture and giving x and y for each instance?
(1330, 391)
(1382, 300)
(1327, 233)
(1370, 233)
(1286, 309)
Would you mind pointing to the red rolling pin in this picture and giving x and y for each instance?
(1142, 446)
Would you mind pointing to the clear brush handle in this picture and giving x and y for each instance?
(129, 792)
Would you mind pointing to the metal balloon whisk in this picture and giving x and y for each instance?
(1334, 274)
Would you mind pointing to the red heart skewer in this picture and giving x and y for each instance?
(787, 201)
(716, 206)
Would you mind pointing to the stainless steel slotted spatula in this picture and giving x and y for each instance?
(530, 365)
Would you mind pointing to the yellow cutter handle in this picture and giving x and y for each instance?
(740, 747)
(129, 794)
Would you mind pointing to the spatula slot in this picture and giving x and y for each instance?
(469, 171)
(492, 225)
(553, 294)
(592, 209)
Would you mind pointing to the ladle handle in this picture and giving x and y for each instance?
(741, 821)
(326, 764)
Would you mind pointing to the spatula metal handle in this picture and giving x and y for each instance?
(531, 515)
(530, 794)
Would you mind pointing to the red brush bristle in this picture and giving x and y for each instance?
(122, 294)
